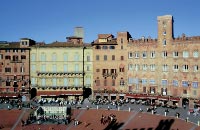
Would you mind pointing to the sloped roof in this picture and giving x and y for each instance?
(74, 37)
(112, 42)
(62, 44)
(10, 45)
(102, 36)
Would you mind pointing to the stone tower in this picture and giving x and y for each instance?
(165, 29)
(79, 32)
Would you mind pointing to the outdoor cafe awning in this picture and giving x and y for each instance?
(136, 96)
(58, 93)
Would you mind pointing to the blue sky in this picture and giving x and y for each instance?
(53, 20)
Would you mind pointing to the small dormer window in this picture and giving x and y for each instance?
(24, 43)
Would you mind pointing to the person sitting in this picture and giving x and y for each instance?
(148, 109)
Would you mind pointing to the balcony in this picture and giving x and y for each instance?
(185, 70)
(109, 74)
(105, 74)
(58, 87)
(72, 73)
(114, 74)
(88, 85)
(34, 85)
(16, 61)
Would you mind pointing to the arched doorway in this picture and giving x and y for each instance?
(33, 93)
(185, 101)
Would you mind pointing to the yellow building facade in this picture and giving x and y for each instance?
(58, 69)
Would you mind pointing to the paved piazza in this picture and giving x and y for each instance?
(89, 117)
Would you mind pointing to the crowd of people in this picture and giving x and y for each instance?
(57, 101)
(108, 119)
(47, 119)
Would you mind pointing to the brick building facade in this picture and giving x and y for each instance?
(15, 67)
(165, 66)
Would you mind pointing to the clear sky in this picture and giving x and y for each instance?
(53, 20)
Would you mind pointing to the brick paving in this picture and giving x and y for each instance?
(8, 118)
(147, 121)
(90, 120)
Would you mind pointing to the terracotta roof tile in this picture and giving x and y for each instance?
(10, 45)
(62, 44)
(100, 36)
(113, 42)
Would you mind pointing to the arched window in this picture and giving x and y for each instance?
(130, 66)
(23, 57)
(15, 58)
(121, 68)
(164, 42)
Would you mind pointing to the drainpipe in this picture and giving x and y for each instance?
(83, 67)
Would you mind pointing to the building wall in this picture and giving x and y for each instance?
(168, 79)
(60, 68)
(113, 80)
(14, 70)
